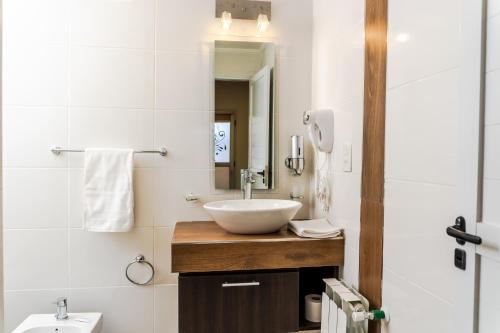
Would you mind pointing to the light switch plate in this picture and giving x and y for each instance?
(347, 157)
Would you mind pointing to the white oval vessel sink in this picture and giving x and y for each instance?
(47, 323)
(255, 216)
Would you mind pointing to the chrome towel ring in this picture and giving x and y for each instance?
(140, 260)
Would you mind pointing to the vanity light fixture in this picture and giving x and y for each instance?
(226, 20)
(262, 22)
(253, 10)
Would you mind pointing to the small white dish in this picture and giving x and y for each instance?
(255, 216)
(47, 323)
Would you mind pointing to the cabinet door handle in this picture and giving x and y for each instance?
(240, 284)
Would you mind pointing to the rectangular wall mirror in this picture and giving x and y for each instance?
(244, 113)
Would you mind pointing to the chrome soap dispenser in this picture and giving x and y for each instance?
(295, 161)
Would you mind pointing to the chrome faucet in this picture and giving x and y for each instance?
(62, 308)
(246, 183)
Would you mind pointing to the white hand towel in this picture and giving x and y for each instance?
(318, 228)
(108, 190)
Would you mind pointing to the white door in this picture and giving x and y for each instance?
(478, 304)
(260, 108)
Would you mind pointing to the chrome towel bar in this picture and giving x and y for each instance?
(58, 150)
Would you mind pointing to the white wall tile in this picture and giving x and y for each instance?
(348, 129)
(340, 17)
(293, 86)
(493, 43)
(112, 128)
(20, 304)
(417, 147)
(163, 259)
(414, 228)
(99, 259)
(187, 149)
(75, 206)
(144, 196)
(294, 39)
(35, 259)
(110, 77)
(34, 21)
(338, 52)
(350, 270)
(175, 32)
(166, 312)
(171, 187)
(35, 75)
(346, 200)
(423, 39)
(30, 132)
(124, 309)
(35, 198)
(339, 74)
(416, 310)
(182, 81)
(337, 83)
(128, 24)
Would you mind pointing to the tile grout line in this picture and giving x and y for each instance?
(76, 228)
(68, 135)
(155, 143)
(107, 108)
(83, 288)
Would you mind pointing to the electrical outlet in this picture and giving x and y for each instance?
(347, 157)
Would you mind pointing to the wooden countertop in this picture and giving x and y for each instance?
(205, 247)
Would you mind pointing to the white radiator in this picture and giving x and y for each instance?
(339, 302)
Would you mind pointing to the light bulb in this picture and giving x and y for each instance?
(402, 37)
(262, 22)
(226, 20)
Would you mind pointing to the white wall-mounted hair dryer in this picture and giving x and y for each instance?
(320, 123)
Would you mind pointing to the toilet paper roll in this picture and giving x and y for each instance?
(313, 308)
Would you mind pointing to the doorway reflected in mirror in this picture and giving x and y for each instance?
(243, 131)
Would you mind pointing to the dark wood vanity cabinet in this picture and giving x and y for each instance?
(231, 283)
(246, 302)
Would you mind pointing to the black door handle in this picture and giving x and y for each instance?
(458, 232)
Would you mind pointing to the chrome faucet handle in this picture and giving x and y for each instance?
(62, 308)
(247, 176)
(61, 301)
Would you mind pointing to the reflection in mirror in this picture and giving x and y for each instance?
(244, 113)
